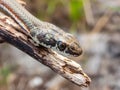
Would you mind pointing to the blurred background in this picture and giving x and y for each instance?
(96, 24)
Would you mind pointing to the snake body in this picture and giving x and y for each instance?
(43, 33)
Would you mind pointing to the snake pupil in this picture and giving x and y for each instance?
(61, 45)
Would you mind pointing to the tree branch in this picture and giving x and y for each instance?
(9, 31)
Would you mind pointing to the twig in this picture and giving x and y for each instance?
(102, 22)
(88, 12)
(67, 68)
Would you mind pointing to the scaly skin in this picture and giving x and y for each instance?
(43, 33)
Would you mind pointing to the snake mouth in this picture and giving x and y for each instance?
(73, 51)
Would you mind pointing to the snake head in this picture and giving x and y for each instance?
(66, 45)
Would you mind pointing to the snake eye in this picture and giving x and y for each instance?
(61, 45)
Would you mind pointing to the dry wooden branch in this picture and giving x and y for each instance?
(69, 69)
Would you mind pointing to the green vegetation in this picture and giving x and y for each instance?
(72, 8)
(4, 73)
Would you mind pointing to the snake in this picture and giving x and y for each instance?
(41, 32)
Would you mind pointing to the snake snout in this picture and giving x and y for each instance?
(74, 49)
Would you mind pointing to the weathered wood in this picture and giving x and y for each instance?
(9, 31)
